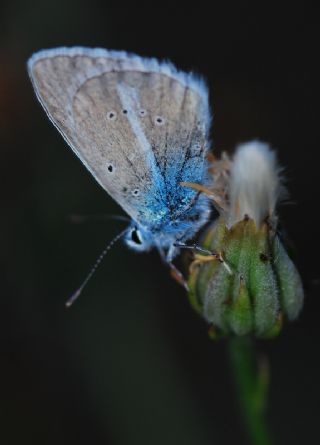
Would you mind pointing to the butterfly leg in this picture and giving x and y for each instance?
(206, 255)
(177, 276)
(200, 259)
(174, 271)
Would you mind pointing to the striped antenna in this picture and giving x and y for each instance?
(77, 293)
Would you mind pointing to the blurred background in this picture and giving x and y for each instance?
(131, 363)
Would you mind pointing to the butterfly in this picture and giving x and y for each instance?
(141, 128)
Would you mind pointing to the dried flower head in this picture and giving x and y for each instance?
(254, 186)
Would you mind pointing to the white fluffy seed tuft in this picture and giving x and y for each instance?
(254, 183)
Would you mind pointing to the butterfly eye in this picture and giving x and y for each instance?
(135, 192)
(136, 237)
(142, 113)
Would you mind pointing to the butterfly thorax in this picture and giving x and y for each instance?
(164, 226)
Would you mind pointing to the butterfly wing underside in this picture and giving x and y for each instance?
(139, 126)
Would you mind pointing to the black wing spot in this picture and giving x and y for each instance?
(110, 168)
(159, 120)
(112, 115)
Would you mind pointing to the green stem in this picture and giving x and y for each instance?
(251, 380)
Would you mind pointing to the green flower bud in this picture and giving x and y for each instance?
(249, 284)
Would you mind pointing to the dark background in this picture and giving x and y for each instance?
(131, 363)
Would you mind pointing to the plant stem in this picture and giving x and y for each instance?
(251, 381)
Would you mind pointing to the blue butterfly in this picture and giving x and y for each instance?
(141, 128)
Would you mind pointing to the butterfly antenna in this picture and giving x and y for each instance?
(77, 293)
(78, 218)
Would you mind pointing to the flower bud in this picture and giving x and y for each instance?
(249, 284)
